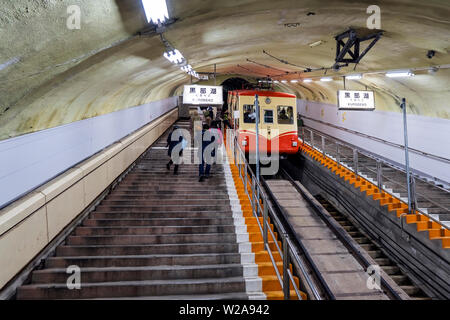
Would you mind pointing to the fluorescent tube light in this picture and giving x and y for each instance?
(326, 79)
(399, 74)
(174, 56)
(354, 77)
(283, 81)
(307, 80)
(315, 44)
(187, 68)
(294, 81)
(156, 11)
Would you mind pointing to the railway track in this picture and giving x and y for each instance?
(390, 267)
(340, 254)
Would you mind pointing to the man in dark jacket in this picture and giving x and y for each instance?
(172, 143)
(206, 155)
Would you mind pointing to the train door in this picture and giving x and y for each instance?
(267, 117)
(267, 124)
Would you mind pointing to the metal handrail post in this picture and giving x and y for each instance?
(253, 196)
(303, 135)
(380, 175)
(355, 161)
(286, 282)
(245, 178)
(257, 110)
(338, 154)
(413, 193)
(265, 222)
(323, 146)
(408, 173)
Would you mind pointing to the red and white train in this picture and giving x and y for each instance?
(278, 131)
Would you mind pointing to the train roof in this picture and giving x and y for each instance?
(264, 93)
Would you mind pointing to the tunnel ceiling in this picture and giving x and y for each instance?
(51, 75)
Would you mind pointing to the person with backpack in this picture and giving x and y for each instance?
(175, 144)
(205, 139)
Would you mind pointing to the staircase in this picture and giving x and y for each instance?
(431, 198)
(156, 236)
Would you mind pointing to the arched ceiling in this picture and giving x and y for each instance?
(50, 75)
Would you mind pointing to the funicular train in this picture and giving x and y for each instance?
(278, 131)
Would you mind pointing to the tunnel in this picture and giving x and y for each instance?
(352, 97)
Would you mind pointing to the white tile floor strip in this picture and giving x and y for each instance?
(253, 282)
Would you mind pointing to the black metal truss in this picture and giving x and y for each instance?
(353, 46)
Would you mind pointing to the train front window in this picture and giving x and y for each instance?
(249, 113)
(268, 116)
(285, 115)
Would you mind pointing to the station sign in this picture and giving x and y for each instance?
(203, 95)
(356, 100)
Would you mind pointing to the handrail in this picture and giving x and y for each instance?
(393, 164)
(425, 197)
(429, 155)
(355, 170)
(257, 194)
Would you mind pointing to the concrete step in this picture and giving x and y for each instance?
(162, 197)
(163, 208)
(143, 260)
(123, 250)
(115, 274)
(151, 239)
(170, 193)
(156, 222)
(165, 202)
(410, 290)
(196, 297)
(391, 270)
(156, 230)
(133, 289)
(124, 214)
(178, 183)
(401, 279)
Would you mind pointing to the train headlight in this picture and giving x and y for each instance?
(294, 143)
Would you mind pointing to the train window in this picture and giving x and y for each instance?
(285, 115)
(249, 113)
(268, 116)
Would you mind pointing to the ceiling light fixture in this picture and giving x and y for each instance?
(283, 81)
(315, 44)
(156, 11)
(307, 80)
(174, 56)
(354, 77)
(187, 68)
(294, 81)
(399, 74)
(326, 79)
